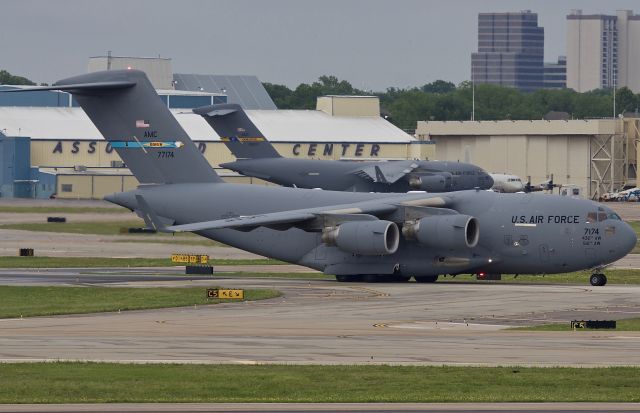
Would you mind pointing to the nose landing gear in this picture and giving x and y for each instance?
(598, 280)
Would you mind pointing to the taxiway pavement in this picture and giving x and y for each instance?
(325, 322)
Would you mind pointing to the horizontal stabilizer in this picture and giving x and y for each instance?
(125, 108)
(216, 110)
(80, 87)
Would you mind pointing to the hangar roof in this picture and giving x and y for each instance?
(68, 123)
(245, 90)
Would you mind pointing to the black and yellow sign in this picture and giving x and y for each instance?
(227, 294)
(578, 324)
(594, 324)
(190, 259)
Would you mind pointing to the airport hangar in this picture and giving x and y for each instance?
(53, 147)
(595, 155)
(57, 150)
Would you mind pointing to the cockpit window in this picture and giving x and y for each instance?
(601, 216)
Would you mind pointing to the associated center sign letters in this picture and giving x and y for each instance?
(357, 150)
(344, 149)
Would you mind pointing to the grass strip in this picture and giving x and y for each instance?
(62, 209)
(126, 383)
(78, 262)
(629, 324)
(615, 276)
(30, 301)
(289, 275)
(114, 228)
(89, 227)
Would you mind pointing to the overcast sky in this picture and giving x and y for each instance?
(373, 44)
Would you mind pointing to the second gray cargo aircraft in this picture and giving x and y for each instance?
(350, 235)
(259, 159)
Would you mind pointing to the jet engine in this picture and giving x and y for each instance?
(448, 231)
(364, 237)
(431, 183)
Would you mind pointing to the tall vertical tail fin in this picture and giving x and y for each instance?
(237, 131)
(129, 114)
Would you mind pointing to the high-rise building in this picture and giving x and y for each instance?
(603, 51)
(510, 50)
(555, 74)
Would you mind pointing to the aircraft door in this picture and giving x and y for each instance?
(543, 249)
(448, 181)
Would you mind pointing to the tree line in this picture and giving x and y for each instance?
(444, 101)
(7, 78)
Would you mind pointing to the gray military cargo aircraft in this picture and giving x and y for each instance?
(353, 236)
(258, 158)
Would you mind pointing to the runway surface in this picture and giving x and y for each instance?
(325, 322)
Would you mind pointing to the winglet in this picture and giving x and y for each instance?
(150, 218)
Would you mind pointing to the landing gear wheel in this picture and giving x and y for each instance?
(401, 278)
(426, 279)
(598, 280)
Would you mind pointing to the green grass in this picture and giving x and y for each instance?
(290, 275)
(629, 324)
(98, 227)
(43, 301)
(62, 209)
(126, 383)
(182, 239)
(114, 228)
(78, 262)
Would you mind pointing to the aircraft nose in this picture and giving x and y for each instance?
(628, 238)
(489, 180)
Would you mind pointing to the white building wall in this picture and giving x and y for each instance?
(584, 54)
(570, 150)
(158, 69)
(629, 49)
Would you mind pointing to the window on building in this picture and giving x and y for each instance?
(66, 187)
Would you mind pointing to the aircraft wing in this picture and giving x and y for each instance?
(309, 218)
(386, 172)
(276, 218)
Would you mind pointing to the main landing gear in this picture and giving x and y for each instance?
(426, 279)
(395, 278)
(598, 280)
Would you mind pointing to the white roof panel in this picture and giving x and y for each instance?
(277, 125)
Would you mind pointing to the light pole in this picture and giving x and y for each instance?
(473, 96)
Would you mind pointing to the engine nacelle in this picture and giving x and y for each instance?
(364, 237)
(431, 183)
(448, 231)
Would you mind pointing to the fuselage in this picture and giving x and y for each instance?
(519, 233)
(507, 183)
(343, 175)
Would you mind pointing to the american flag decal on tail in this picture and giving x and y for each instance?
(142, 124)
